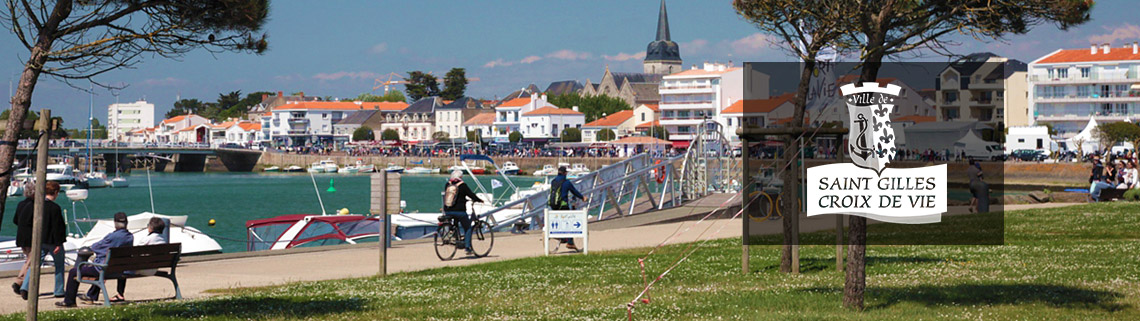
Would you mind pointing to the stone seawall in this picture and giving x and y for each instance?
(527, 164)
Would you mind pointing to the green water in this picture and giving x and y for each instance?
(234, 198)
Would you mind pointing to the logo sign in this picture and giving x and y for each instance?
(566, 224)
(866, 187)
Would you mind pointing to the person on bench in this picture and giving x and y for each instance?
(120, 237)
(154, 236)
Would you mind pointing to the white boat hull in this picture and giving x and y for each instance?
(119, 182)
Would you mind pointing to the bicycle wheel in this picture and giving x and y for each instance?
(444, 242)
(482, 237)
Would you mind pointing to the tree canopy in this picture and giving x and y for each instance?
(420, 85)
(571, 135)
(454, 84)
(227, 105)
(363, 133)
(606, 135)
(515, 137)
(390, 134)
(593, 107)
(390, 96)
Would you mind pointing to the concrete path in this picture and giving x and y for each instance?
(362, 260)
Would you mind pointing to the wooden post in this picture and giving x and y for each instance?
(745, 191)
(44, 127)
(839, 218)
(378, 206)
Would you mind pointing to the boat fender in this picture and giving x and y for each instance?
(211, 222)
(343, 211)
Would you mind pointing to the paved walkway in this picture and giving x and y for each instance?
(199, 277)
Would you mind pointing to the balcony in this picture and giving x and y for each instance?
(1107, 98)
(295, 120)
(982, 101)
(298, 132)
(1098, 79)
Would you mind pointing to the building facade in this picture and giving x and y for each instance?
(690, 97)
(983, 87)
(311, 123)
(549, 122)
(662, 57)
(1069, 86)
(126, 117)
(450, 117)
(508, 115)
(416, 122)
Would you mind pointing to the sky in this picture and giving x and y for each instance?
(339, 48)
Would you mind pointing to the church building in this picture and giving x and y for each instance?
(662, 57)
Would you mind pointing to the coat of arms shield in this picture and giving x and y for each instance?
(871, 139)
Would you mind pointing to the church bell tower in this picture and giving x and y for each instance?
(662, 56)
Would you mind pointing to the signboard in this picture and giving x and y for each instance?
(565, 224)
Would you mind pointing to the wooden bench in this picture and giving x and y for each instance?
(121, 260)
(1109, 194)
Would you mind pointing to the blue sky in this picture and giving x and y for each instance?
(337, 48)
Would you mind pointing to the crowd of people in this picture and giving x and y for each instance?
(413, 151)
(1118, 172)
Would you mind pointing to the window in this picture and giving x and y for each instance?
(1062, 73)
(642, 116)
(1052, 73)
(1085, 72)
(1021, 140)
(730, 121)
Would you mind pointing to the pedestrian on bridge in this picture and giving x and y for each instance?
(560, 190)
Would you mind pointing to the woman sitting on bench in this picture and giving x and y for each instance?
(154, 229)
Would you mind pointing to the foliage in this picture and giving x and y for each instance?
(571, 135)
(593, 107)
(390, 96)
(472, 136)
(420, 85)
(455, 84)
(228, 105)
(1048, 126)
(81, 133)
(606, 135)
(363, 133)
(1114, 133)
(515, 137)
(1132, 195)
(441, 136)
(1047, 270)
(390, 134)
(658, 132)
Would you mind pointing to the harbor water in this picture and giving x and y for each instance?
(231, 199)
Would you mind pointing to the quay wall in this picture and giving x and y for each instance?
(527, 164)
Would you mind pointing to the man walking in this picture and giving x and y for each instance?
(54, 235)
(560, 190)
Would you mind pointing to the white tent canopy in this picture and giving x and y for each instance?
(1088, 140)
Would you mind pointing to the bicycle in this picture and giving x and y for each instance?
(449, 238)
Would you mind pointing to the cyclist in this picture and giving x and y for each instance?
(455, 195)
(560, 190)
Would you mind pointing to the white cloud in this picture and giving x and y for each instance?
(497, 63)
(530, 59)
(159, 82)
(567, 54)
(1126, 31)
(378, 48)
(624, 56)
(346, 74)
(751, 44)
(694, 47)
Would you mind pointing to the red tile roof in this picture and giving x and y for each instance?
(654, 123)
(248, 126)
(916, 119)
(638, 140)
(611, 120)
(174, 119)
(551, 111)
(517, 102)
(1086, 55)
(653, 107)
(757, 105)
(343, 105)
(481, 119)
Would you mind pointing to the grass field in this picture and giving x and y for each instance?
(1075, 263)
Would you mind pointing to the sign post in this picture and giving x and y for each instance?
(565, 224)
(385, 200)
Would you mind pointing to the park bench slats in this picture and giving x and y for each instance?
(135, 258)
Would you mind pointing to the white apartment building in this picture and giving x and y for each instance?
(126, 117)
(177, 129)
(311, 122)
(983, 87)
(1069, 86)
(549, 122)
(692, 96)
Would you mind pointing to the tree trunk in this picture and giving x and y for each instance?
(789, 200)
(22, 100)
(856, 275)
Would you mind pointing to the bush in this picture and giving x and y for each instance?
(390, 134)
(1132, 195)
(571, 135)
(515, 137)
(606, 135)
(363, 133)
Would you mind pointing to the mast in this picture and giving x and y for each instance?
(90, 128)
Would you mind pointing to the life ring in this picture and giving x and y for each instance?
(660, 173)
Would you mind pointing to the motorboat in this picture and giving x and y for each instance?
(16, 188)
(304, 230)
(271, 169)
(95, 179)
(76, 194)
(547, 170)
(509, 168)
(324, 166)
(393, 168)
(578, 169)
(193, 240)
(119, 182)
(421, 170)
(350, 169)
(369, 168)
(64, 174)
(24, 173)
(293, 169)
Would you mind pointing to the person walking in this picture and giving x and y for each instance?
(23, 222)
(560, 190)
(54, 235)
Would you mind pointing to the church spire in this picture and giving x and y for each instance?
(663, 24)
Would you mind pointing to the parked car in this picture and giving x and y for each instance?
(1028, 155)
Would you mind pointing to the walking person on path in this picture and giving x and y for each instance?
(23, 222)
(54, 235)
(560, 190)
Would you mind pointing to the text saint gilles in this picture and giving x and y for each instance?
(882, 184)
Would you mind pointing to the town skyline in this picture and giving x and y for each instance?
(504, 56)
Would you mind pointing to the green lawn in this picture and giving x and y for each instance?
(1076, 263)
